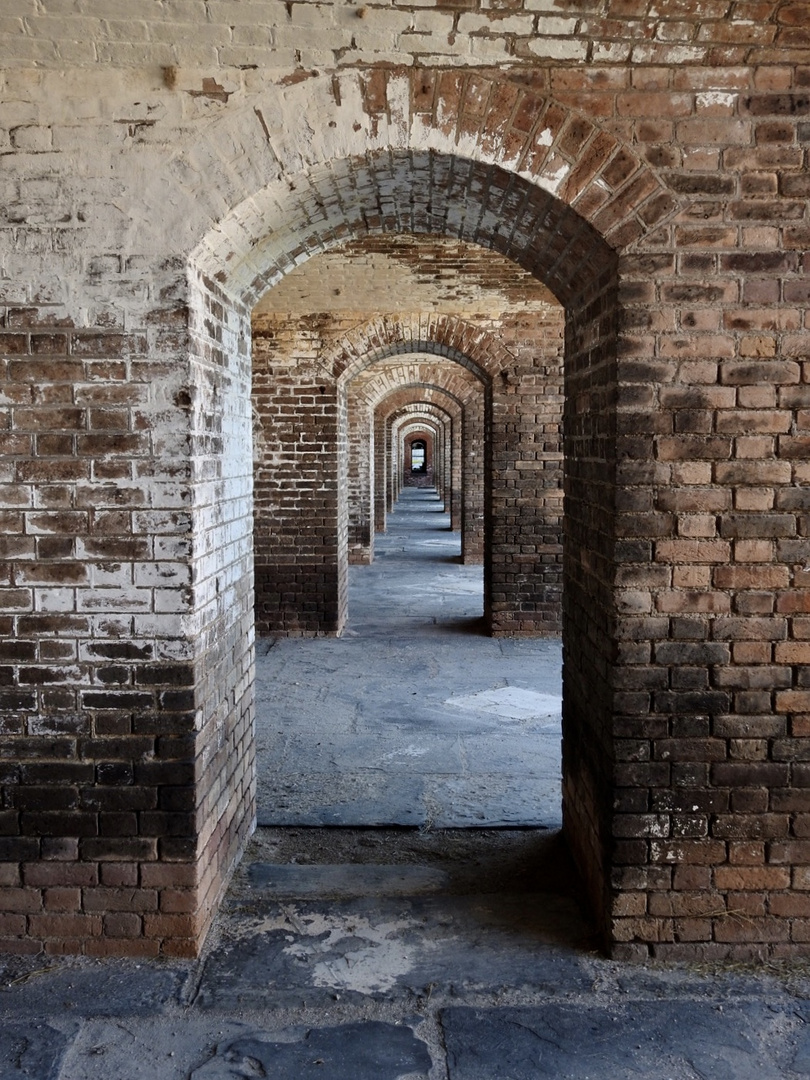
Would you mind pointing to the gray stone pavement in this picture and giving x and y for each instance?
(393, 972)
(412, 716)
(402, 954)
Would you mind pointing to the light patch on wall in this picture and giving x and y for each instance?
(714, 98)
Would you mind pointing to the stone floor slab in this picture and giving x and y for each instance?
(672, 1040)
(413, 716)
(392, 950)
(102, 988)
(34, 1049)
(324, 881)
(368, 1050)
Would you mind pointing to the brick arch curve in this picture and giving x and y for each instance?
(435, 334)
(374, 140)
(424, 390)
(491, 163)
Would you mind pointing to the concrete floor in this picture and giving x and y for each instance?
(412, 716)
(402, 954)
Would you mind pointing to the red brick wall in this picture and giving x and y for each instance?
(299, 524)
(661, 153)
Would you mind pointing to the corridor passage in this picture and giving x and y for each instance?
(412, 716)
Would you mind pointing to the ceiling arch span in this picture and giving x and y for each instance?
(425, 396)
(432, 334)
(447, 153)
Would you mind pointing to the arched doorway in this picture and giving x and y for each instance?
(524, 208)
(418, 457)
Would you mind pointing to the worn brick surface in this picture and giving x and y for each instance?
(649, 165)
(502, 371)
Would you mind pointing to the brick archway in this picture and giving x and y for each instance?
(498, 166)
(418, 439)
(526, 159)
(445, 415)
(399, 363)
(442, 153)
(434, 334)
(384, 481)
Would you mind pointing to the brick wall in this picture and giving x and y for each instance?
(297, 570)
(649, 165)
(101, 823)
(220, 804)
(300, 548)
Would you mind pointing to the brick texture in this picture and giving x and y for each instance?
(648, 165)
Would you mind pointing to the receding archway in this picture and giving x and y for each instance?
(556, 206)
(589, 337)
(443, 415)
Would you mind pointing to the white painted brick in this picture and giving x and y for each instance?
(174, 649)
(555, 27)
(31, 138)
(432, 22)
(373, 41)
(114, 600)
(133, 30)
(118, 575)
(644, 53)
(511, 24)
(290, 37)
(559, 48)
(612, 52)
(127, 54)
(383, 21)
(422, 43)
(172, 601)
(171, 522)
(251, 12)
(17, 7)
(54, 600)
(77, 52)
(10, 26)
(162, 574)
(489, 48)
(18, 113)
(257, 37)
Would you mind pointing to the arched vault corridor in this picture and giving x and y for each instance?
(412, 717)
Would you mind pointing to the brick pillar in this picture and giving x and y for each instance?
(299, 532)
(360, 470)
